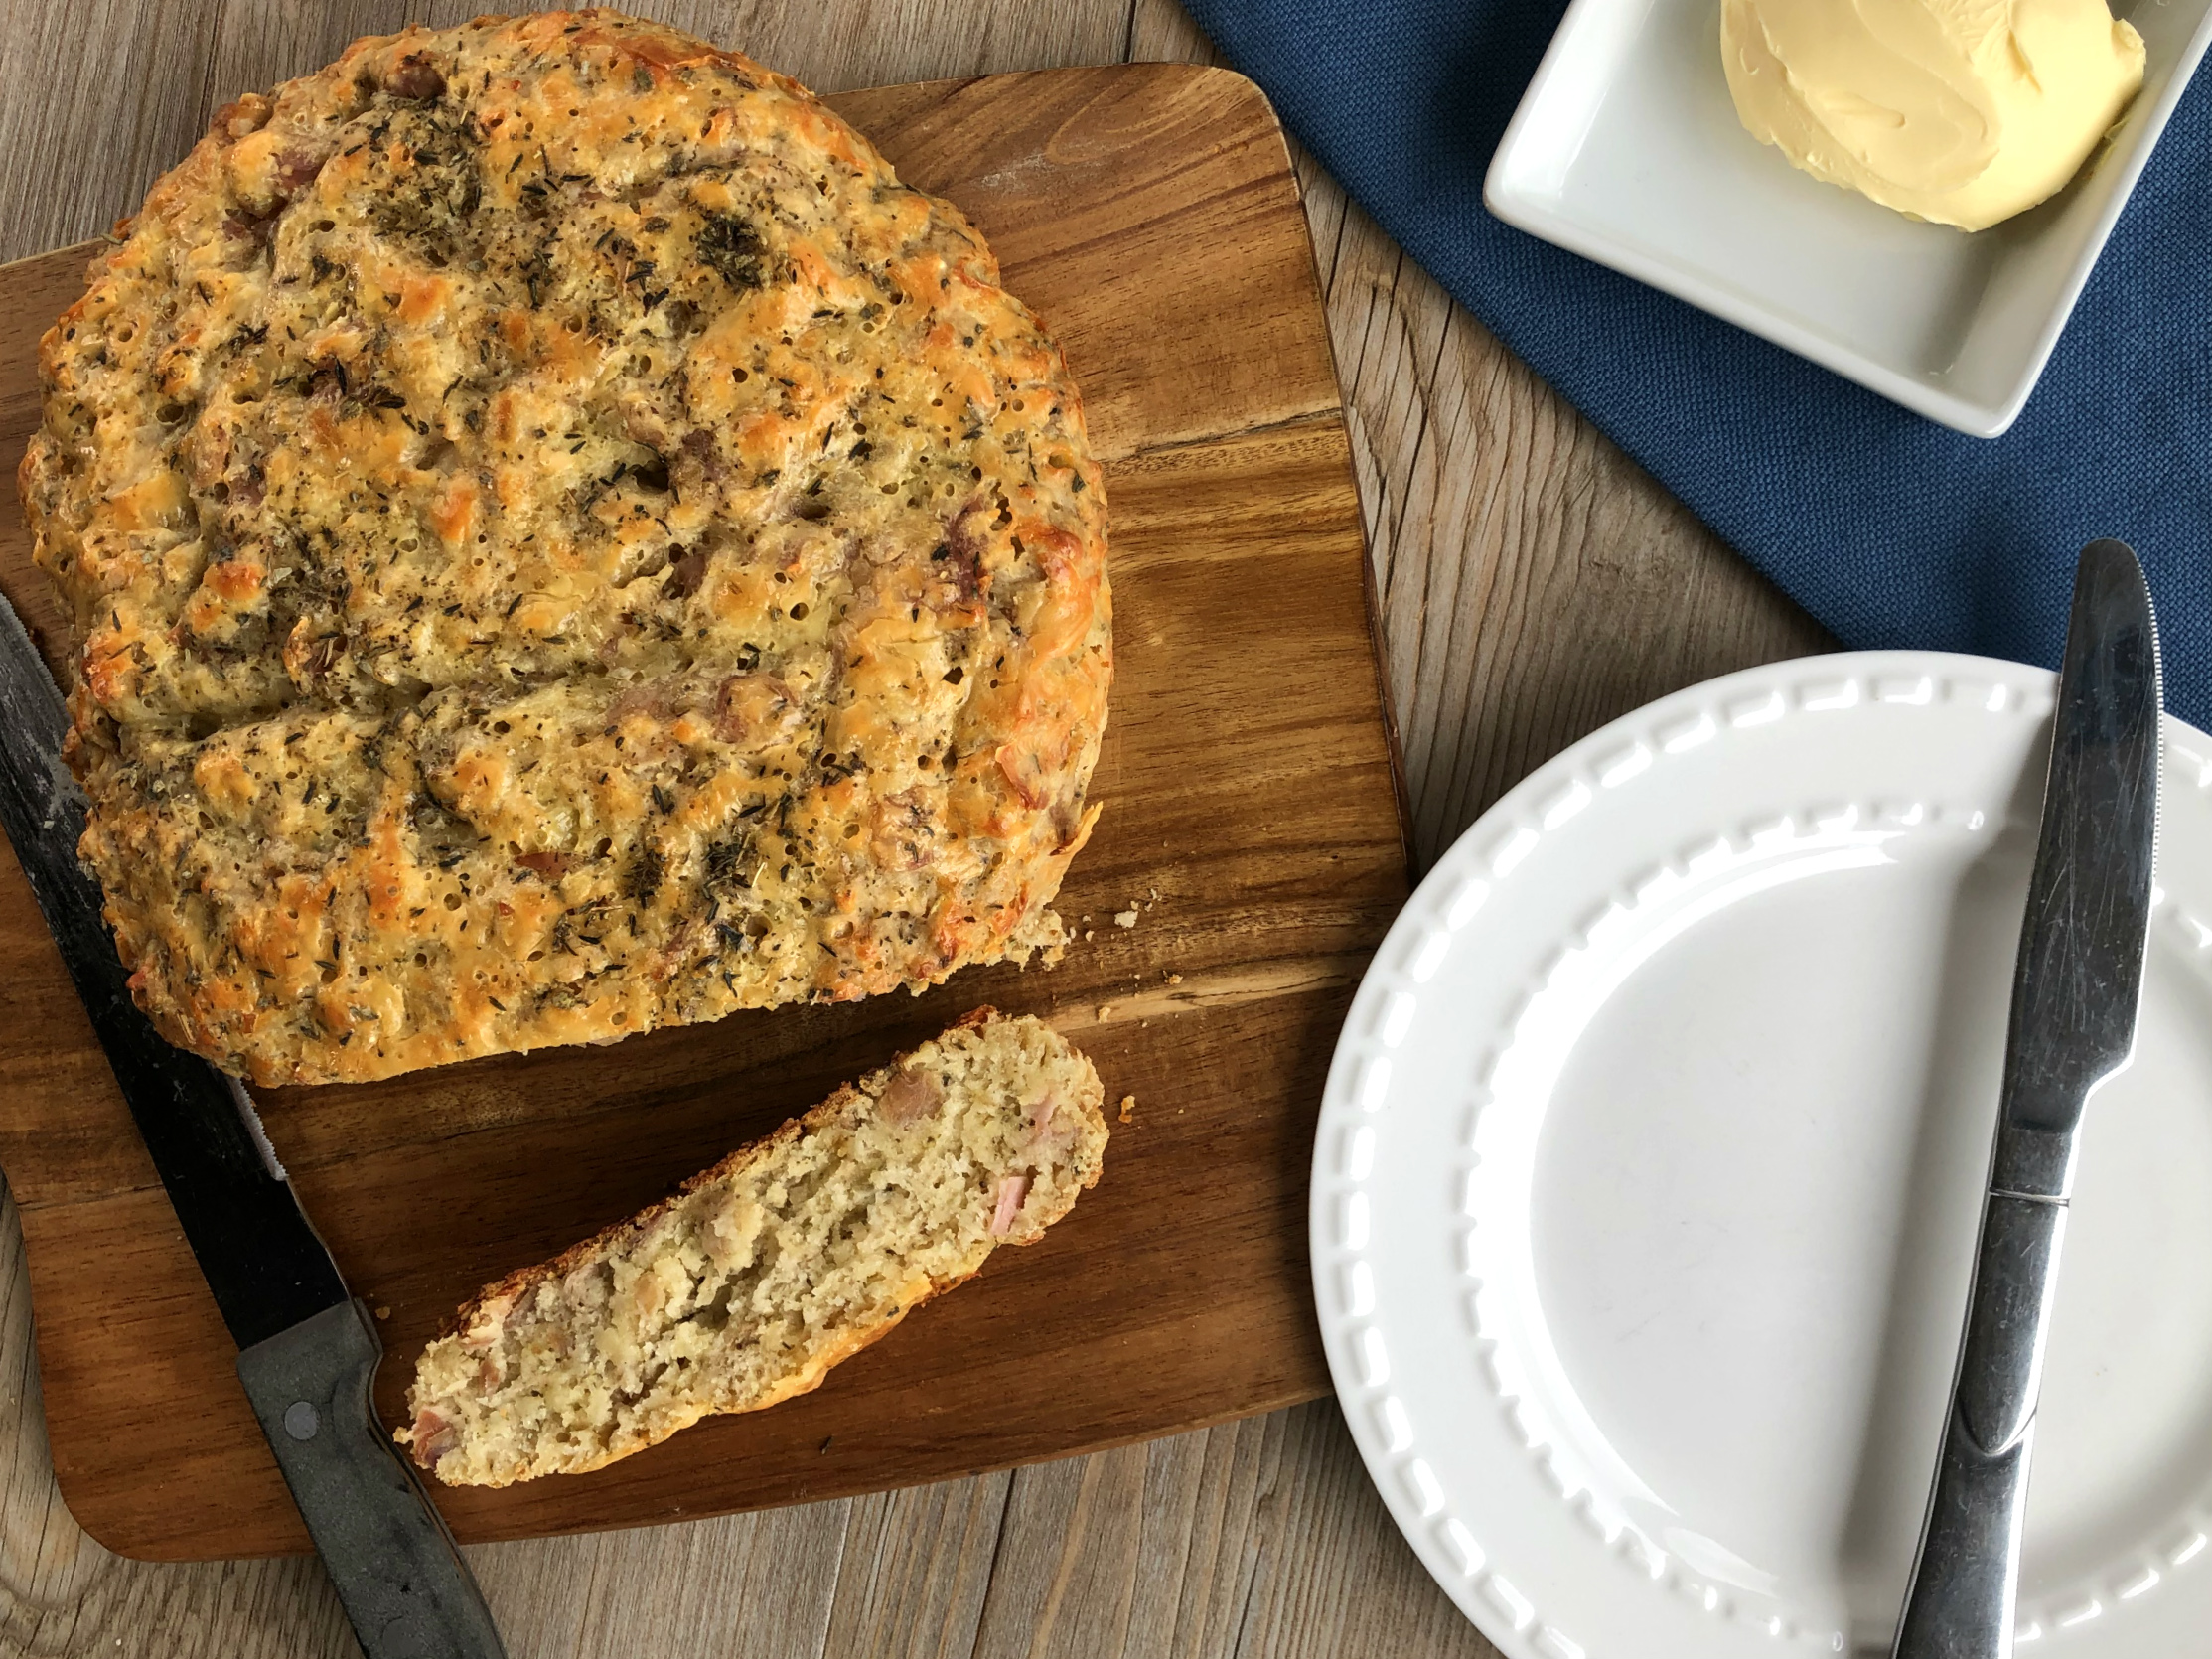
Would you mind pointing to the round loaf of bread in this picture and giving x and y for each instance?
(561, 541)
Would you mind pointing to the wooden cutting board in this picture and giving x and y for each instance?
(1253, 823)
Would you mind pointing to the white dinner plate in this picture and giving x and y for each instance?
(1648, 1171)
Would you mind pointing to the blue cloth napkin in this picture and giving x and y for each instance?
(1890, 530)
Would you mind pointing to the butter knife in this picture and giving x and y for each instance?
(307, 1348)
(2075, 993)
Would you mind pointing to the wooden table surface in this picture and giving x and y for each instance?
(1534, 584)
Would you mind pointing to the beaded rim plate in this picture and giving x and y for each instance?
(1649, 1164)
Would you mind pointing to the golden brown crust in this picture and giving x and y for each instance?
(561, 541)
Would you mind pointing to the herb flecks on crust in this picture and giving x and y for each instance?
(561, 541)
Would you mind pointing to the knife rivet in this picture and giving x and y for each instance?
(301, 1420)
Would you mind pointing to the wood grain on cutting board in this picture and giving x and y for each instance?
(1149, 216)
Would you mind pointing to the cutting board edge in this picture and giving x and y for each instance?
(299, 1545)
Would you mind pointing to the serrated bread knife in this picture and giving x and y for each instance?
(306, 1348)
(2075, 993)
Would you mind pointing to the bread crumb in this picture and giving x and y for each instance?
(1175, 978)
(1105, 1012)
(1125, 918)
(1129, 1108)
(1155, 895)
(383, 1313)
(977, 1071)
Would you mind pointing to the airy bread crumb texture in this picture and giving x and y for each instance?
(766, 1270)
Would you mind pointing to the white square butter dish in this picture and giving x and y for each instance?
(1627, 150)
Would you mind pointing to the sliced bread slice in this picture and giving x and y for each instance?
(757, 1276)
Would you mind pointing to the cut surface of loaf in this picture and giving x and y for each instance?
(768, 1268)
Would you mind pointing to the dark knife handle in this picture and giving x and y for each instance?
(398, 1573)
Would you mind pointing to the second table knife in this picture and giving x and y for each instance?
(2075, 993)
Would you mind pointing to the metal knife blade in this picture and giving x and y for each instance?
(2079, 978)
(2076, 991)
(267, 1269)
(307, 1348)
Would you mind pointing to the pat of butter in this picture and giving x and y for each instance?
(1962, 111)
